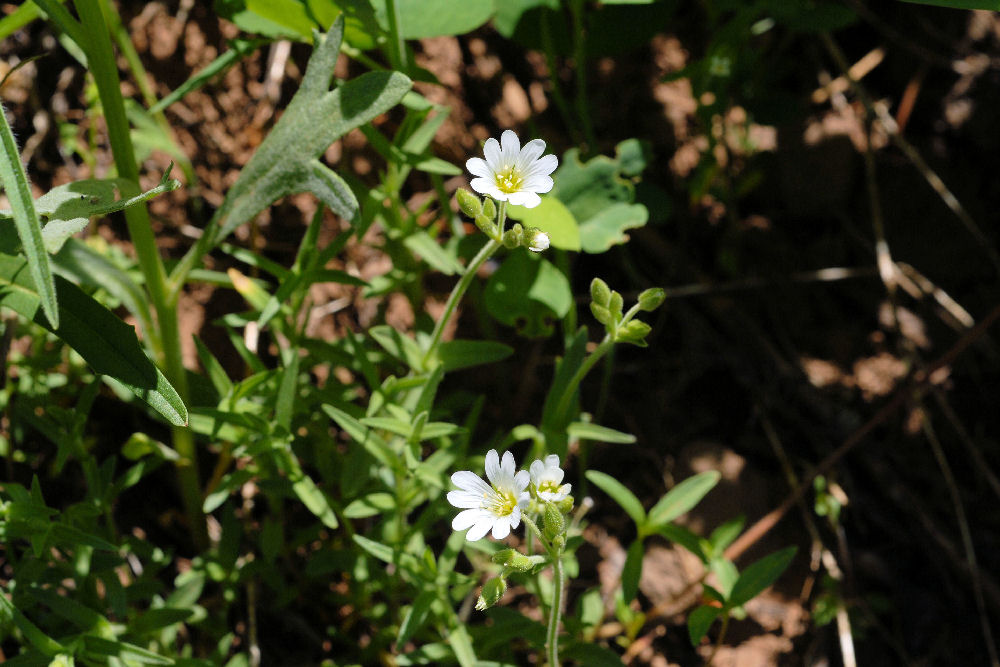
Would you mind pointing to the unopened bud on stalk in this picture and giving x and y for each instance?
(489, 209)
(468, 203)
(552, 521)
(486, 225)
(600, 293)
(650, 300)
(493, 590)
(536, 240)
(513, 237)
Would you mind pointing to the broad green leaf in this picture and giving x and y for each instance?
(759, 575)
(458, 354)
(273, 18)
(621, 495)
(553, 218)
(632, 571)
(528, 293)
(682, 498)
(590, 431)
(29, 229)
(105, 342)
(288, 160)
(700, 620)
(435, 18)
(599, 197)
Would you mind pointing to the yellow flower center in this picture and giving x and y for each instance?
(548, 486)
(500, 503)
(509, 180)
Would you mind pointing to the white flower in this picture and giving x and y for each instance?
(546, 477)
(511, 173)
(495, 506)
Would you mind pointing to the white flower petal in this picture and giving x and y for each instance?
(479, 530)
(515, 516)
(491, 151)
(510, 147)
(477, 167)
(552, 461)
(471, 482)
(487, 186)
(524, 198)
(465, 499)
(536, 469)
(529, 153)
(507, 470)
(467, 519)
(521, 481)
(501, 528)
(537, 183)
(544, 165)
(492, 467)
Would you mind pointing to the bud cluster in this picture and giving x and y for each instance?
(484, 213)
(607, 307)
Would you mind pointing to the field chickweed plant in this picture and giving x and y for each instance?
(314, 487)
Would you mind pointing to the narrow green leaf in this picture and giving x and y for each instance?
(305, 488)
(632, 571)
(415, 616)
(420, 243)
(105, 342)
(371, 505)
(699, 621)
(726, 574)
(461, 644)
(376, 549)
(759, 575)
(9, 613)
(621, 495)
(216, 373)
(397, 344)
(682, 498)
(683, 537)
(457, 354)
(589, 431)
(100, 650)
(285, 402)
(29, 229)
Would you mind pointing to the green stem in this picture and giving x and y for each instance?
(100, 57)
(463, 284)
(581, 372)
(580, 66)
(398, 45)
(555, 613)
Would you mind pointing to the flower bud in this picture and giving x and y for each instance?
(559, 542)
(522, 563)
(486, 225)
(601, 314)
(504, 556)
(535, 239)
(513, 237)
(566, 505)
(489, 209)
(615, 304)
(468, 203)
(600, 293)
(651, 299)
(493, 590)
(552, 521)
(634, 332)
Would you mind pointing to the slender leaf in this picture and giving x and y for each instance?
(589, 431)
(682, 498)
(632, 571)
(621, 495)
(758, 576)
(699, 621)
(105, 342)
(29, 229)
(457, 354)
(415, 616)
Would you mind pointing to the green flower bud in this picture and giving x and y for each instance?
(651, 299)
(493, 590)
(600, 293)
(504, 556)
(513, 237)
(468, 203)
(615, 304)
(486, 225)
(601, 314)
(489, 209)
(566, 505)
(559, 542)
(522, 563)
(553, 521)
(634, 332)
